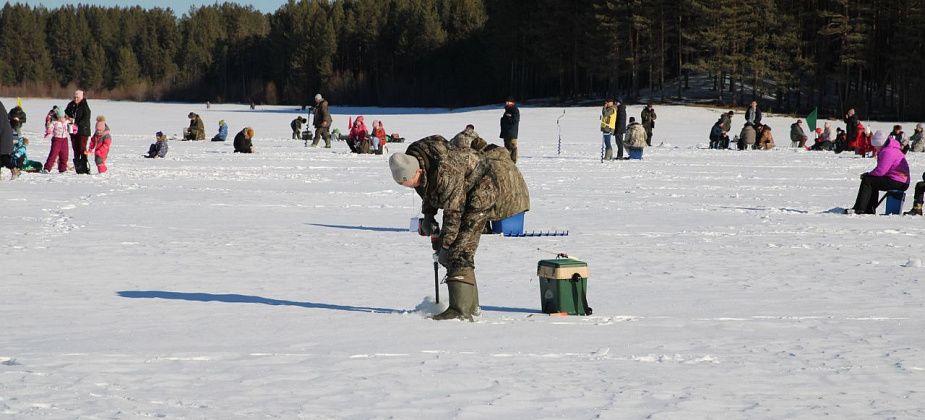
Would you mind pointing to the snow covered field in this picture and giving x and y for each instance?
(284, 284)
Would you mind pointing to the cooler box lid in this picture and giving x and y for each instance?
(562, 269)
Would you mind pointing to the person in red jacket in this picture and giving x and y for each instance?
(99, 144)
(864, 146)
(357, 139)
(379, 137)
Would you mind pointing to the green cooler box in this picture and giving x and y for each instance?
(563, 286)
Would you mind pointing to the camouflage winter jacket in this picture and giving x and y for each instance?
(636, 136)
(322, 115)
(462, 180)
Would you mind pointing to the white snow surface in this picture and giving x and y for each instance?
(285, 284)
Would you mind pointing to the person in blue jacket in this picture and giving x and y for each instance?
(222, 131)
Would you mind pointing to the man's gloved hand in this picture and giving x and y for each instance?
(429, 226)
(443, 257)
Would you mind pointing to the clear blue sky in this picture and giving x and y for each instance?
(179, 6)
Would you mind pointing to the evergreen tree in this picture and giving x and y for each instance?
(128, 71)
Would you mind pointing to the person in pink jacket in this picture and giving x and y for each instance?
(58, 132)
(891, 173)
(99, 144)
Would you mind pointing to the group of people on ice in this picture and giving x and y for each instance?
(855, 137)
(633, 135)
(67, 130)
(891, 174)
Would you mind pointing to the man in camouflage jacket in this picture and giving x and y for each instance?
(472, 187)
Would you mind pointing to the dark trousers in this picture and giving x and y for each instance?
(511, 146)
(868, 193)
(79, 145)
(618, 141)
(322, 133)
(919, 192)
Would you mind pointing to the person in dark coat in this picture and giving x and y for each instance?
(296, 126)
(725, 121)
(753, 114)
(242, 141)
(797, 135)
(6, 141)
(648, 122)
(197, 129)
(851, 129)
(717, 135)
(79, 113)
(322, 122)
(621, 127)
(510, 123)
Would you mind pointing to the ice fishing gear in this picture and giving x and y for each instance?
(513, 225)
(537, 234)
(563, 286)
(428, 226)
(559, 127)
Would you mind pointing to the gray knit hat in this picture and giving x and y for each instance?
(403, 167)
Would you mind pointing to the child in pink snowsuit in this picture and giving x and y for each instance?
(99, 144)
(58, 133)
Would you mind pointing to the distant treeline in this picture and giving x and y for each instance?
(797, 55)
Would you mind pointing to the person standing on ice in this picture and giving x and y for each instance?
(510, 124)
(6, 143)
(797, 135)
(851, 132)
(79, 113)
(891, 173)
(648, 121)
(717, 134)
(322, 122)
(621, 127)
(753, 114)
(608, 125)
(471, 188)
(99, 144)
(57, 133)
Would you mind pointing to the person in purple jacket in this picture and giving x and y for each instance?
(891, 173)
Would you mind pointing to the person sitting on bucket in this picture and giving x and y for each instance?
(472, 188)
(636, 137)
(891, 173)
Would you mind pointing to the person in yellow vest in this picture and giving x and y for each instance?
(608, 125)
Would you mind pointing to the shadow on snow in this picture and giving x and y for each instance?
(236, 298)
(366, 228)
